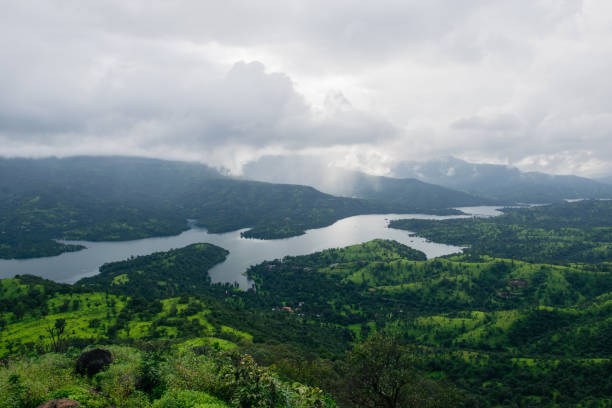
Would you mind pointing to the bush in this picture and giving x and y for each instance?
(150, 378)
(119, 381)
(196, 372)
(28, 382)
(255, 386)
(188, 399)
(77, 393)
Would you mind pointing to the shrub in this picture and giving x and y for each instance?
(28, 381)
(150, 378)
(188, 399)
(119, 381)
(77, 393)
(255, 386)
(196, 372)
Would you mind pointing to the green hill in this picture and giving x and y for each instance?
(466, 330)
(120, 198)
(161, 274)
(559, 233)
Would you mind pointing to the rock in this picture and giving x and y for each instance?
(93, 361)
(60, 403)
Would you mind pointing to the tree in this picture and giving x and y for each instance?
(55, 333)
(381, 373)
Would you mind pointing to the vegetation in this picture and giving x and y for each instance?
(106, 199)
(383, 374)
(160, 275)
(579, 232)
(375, 324)
(197, 378)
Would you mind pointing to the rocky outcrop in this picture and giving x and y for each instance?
(93, 361)
(60, 403)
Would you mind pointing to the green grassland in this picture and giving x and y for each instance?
(102, 317)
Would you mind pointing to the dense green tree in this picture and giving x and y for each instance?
(381, 372)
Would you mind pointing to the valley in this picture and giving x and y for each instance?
(479, 328)
(119, 198)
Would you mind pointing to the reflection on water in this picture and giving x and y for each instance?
(70, 267)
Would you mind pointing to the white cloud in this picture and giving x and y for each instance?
(364, 83)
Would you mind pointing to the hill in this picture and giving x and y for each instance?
(472, 331)
(484, 328)
(334, 180)
(120, 198)
(502, 183)
(161, 274)
(606, 179)
(558, 233)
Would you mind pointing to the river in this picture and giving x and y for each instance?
(72, 266)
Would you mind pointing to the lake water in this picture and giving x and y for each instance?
(72, 266)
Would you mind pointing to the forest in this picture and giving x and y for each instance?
(562, 233)
(469, 330)
(115, 198)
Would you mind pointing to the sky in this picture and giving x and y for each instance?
(363, 84)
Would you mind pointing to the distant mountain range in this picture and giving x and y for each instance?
(606, 179)
(334, 180)
(445, 182)
(502, 183)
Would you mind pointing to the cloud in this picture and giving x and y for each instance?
(503, 123)
(136, 108)
(364, 83)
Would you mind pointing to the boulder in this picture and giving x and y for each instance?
(60, 403)
(93, 361)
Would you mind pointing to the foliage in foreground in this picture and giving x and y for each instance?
(202, 378)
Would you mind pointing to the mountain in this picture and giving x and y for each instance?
(123, 198)
(333, 180)
(606, 179)
(504, 183)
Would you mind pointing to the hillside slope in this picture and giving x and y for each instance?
(337, 181)
(557, 233)
(502, 183)
(120, 198)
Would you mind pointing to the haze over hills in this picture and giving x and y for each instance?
(334, 180)
(605, 179)
(123, 198)
(500, 182)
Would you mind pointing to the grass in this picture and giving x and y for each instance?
(95, 313)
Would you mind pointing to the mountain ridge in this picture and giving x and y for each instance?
(351, 183)
(501, 182)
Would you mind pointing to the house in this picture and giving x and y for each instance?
(517, 283)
